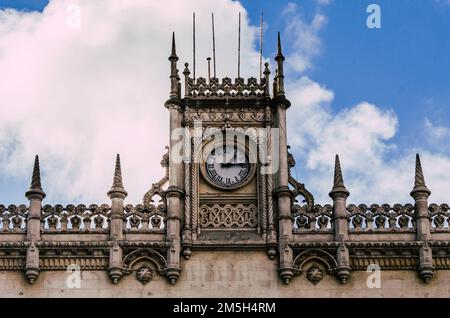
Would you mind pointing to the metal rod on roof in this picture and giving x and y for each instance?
(260, 45)
(193, 44)
(214, 44)
(239, 47)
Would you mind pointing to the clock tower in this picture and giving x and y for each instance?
(229, 185)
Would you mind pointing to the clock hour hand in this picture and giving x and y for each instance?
(229, 164)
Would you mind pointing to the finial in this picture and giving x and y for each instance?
(419, 180)
(266, 79)
(279, 52)
(35, 190)
(117, 190)
(36, 178)
(266, 69)
(117, 182)
(174, 78)
(186, 69)
(338, 184)
(174, 51)
(338, 179)
(279, 77)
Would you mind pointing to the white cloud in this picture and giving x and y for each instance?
(303, 35)
(324, 2)
(78, 96)
(375, 170)
(437, 135)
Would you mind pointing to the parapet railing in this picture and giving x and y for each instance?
(144, 218)
(381, 218)
(214, 88)
(375, 218)
(71, 218)
(84, 219)
(13, 218)
(316, 219)
(440, 217)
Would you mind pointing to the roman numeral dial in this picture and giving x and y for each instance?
(227, 166)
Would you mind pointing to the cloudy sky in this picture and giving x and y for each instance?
(77, 94)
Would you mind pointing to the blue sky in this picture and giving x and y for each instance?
(403, 67)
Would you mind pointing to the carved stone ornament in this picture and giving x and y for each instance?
(228, 216)
(314, 274)
(144, 274)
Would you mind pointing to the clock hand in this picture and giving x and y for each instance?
(229, 164)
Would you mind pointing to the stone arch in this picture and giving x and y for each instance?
(144, 254)
(317, 255)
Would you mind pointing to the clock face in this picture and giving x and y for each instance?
(227, 166)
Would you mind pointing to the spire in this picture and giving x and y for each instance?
(35, 190)
(117, 182)
(338, 179)
(174, 78)
(174, 51)
(36, 178)
(419, 180)
(117, 190)
(279, 52)
(279, 78)
(338, 184)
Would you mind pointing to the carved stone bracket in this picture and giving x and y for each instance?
(315, 262)
(146, 263)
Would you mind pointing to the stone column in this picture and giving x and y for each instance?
(283, 193)
(174, 193)
(339, 194)
(420, 193)
(174, 204)
(186, 237)
(117, 194)
(35, 195)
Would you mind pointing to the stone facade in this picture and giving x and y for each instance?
(225, 274)
(226, 228)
